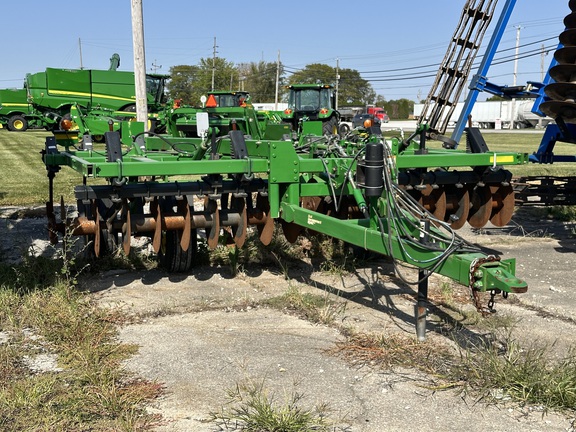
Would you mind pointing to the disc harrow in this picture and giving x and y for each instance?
(381, 195)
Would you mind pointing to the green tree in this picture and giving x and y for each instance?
(315, 73)
(260, 80)
(399, 109)
(191, 82)
(182, 82)
(352, 88)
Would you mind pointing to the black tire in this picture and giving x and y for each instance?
(17, 123)
(172, 257)
(330, 127)
(344, 129)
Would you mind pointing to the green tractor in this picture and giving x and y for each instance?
(312, 102)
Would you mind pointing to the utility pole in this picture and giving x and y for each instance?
(139, 62)
(337, 80)
(277, 82)
(515, 77)
(517, 52)
(155, 66)
(214, 62)
(80, 47)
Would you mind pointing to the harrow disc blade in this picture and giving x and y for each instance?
(566, 55)
(157, 213)
(458, 206)
(266, 231)
(568, 37)
(239, 232)
(434, 200)
(563, 72)
(96, 213)
(126, 228)
(291, 231)
(561, 91)
(570, 20)
(502, 204)
(186, 233)
(213, 232)
(564, 109)
(480, 207)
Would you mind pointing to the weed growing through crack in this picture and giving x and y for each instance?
(252, 407)
(491, 368)
(501, 368)
(322, 309)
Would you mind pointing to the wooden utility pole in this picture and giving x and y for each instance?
(139, 62)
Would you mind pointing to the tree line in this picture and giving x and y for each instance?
(190, 82)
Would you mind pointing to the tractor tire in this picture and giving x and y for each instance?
(330, 127)
(17, 123)
(344, 129)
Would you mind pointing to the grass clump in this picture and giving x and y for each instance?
(320, 309)
(253, 408)
(496, 368)
(42, 315)
(529, 375)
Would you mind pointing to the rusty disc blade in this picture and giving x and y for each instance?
(214, 232)
(157, 213)
(52, 225)
(291, 231)
(126, 228)
(502, 204)
(96, 214)
(458, 206)
(240, 230)
(434, 200)
(184, 207)
(266, 231)
(480, 207)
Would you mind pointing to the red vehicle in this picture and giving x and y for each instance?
(378, 113)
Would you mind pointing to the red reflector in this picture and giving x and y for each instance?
(288, 111)
(324, 111)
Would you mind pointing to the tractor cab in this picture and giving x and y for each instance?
(311, 102)
(222, 99)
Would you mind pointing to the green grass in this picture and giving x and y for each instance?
(23, 178)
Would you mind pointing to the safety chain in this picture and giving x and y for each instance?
(475, 292)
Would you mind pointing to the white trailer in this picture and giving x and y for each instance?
(508, 114)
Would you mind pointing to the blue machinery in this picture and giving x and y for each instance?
(554, 97)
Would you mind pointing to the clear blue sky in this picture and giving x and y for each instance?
(371, 37)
